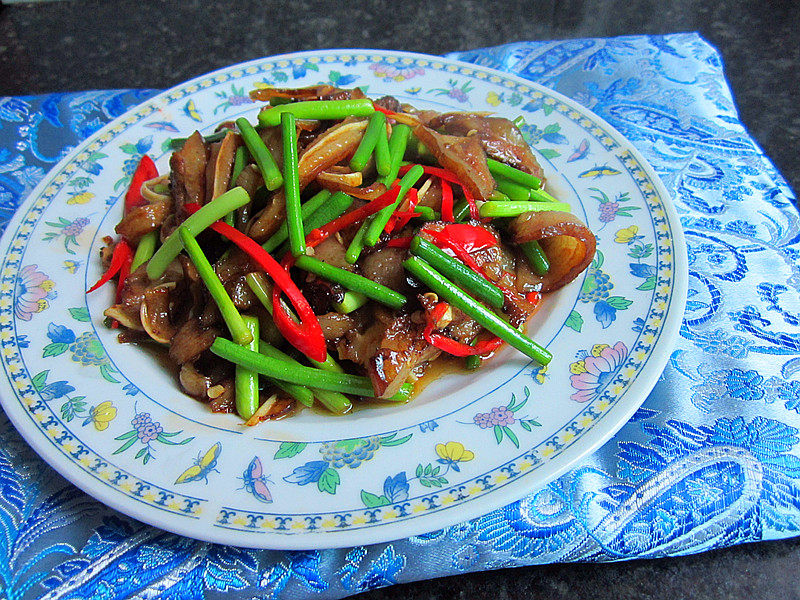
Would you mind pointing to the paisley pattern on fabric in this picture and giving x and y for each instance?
(711, 459)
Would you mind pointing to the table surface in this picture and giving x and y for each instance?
(61, 46)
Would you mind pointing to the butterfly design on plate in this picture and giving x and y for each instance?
(163, 125)
(581, 151)
(191, 111)
(599, 171)
(71, 266)
(255, 482)
(202, 466)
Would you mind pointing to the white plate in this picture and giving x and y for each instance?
(112, 419)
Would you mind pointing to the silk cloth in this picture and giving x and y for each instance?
(710, 460)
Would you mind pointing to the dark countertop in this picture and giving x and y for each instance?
(151, 44)
(55, 46)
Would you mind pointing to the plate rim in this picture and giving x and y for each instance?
(425, 523)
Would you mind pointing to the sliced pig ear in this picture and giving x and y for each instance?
(330, 148)
(141, 220)
(501, 139)
(463, 156)
(154, 313)
(188, 171)
(567, 242)
(220, 165)
(315, 92)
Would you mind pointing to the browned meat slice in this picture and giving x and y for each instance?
(134, 291)
(568, 244)
(500, 138)
(269, 219)
(273, 140)
(335, 325)
(384, 265)
(464, 156)
(142, 220)
(333, 146)
(389, 103)
(338, 184)
(318, 92)
(400, 349)
(403, 349)
(319, 293)
(193, 381)
(155, 313)
(209, 382)
(220, 165)
(359, 342)
(232, 265)
(231, 270)
(333, 252)
(430, 194)
(190, 341)
(188, 173)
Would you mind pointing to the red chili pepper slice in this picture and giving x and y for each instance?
(386, 111)
(444, 242)
(145, 171)
(317, 236)
(439, 172)
(307, 335)
(124, 271)
(287, 325)
(451, 346)
(447, 201)
(407, 213)
(122, 254)
(401, 218)
(446, 175)
(401, 242)
(473, 208)
(470, 237)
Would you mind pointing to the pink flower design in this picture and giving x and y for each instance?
(598, 371)
(33, 290)
(389, 72)
(499, 415)
(458, 94)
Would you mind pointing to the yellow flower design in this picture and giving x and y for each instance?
(540, 374)
(625, 235)
(103, 414)
(454, 452)
(82, 198)
(597, 349)
(577, 368)
(493, 99)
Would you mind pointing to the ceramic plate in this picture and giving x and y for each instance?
(112, 419)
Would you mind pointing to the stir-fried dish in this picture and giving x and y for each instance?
(331, 252)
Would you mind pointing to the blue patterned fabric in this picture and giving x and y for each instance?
(711, 459)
